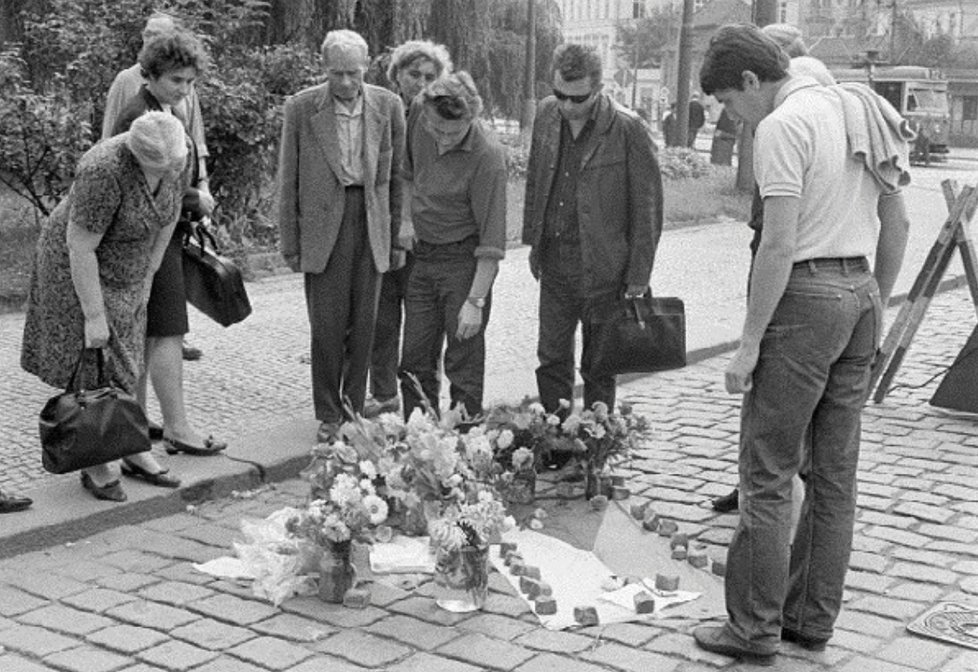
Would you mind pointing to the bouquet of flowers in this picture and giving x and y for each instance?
(350, 510)
(607, 437)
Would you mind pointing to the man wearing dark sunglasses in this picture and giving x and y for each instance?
(593, 215)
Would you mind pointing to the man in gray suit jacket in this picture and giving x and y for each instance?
(339, 216)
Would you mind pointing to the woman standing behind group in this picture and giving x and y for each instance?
(95, 260)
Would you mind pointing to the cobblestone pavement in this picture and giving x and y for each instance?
(127, 600)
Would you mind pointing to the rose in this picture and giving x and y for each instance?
(505, 439)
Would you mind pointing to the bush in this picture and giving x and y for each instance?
(682, 162)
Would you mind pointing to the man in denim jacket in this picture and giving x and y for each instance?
(593, 216)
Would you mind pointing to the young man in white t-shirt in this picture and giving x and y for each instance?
(810, 335)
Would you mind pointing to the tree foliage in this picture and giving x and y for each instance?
(648, 37)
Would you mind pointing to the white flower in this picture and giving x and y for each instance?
(535, 524)
(368, 469)
(367, 486)
(599, 431)
(564, 403)
(485, 496)
(376, 509)
(345, 489)
(536, 408)
(508, 523)
(553, 420)
(572, 423)
(505, 439)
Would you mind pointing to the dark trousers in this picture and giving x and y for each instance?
(342, 305)
(564, 305)
(439, 283)
(387, 332)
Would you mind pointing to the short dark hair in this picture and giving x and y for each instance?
(576, 61)
(453, 96)
(171, 51)
(738, 47)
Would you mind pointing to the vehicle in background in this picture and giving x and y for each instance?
(920, 95)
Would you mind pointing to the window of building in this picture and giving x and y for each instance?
(969, 108)
(783, 11)
(638, 9)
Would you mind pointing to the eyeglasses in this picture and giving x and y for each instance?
(560, 95)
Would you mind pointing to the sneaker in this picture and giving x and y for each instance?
(805, 642)
(374, 407)
(716, 639)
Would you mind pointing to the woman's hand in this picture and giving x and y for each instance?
(206, 200)
(96, 332)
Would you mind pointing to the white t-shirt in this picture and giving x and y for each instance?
(801, 151)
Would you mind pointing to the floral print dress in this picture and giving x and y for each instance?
(109, 196)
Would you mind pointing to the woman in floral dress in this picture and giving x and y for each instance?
(94, 264)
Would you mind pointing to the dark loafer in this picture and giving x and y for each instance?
(155, 431)
(13, 504)
(805, 642)
(160, 479)
(727, 503)
(210, 447)
(716, 639)
(111, 492)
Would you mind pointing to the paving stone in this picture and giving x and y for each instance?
(34, 641)
(177, 656)
(211, 535)
(127, 639)
(228, 664)
(629, 658)
(867, 624)
(867, 562)
(363, 648)
(496, 626)
(549, 662)
(126, 583)
(295, 628)
(271, 652)
(629, 634)
(233, 609)
(920, 556)
(486, 652)
(923, 573)
(65, 620)
(336, 614)
(417, 633)
(382, 594)
(14, 601)
(901, 610)
(425, 609)
(860, 542)
(966, 567)
(855, 641)
(925, 512)
(425, 662)
(212, 635)
(970, 585)
(137, 561)
(949, 532)
(685, 647)
(98, 600)
(868, 503)
(324, 664)
(175, 593)
(682, 512)
(871, 583)
(556, 641)
(87, 659)
(152, 615)
(48, 586)
(919, 592)
(955, 491)
(506, 605)
(962, 662)
(954, 548)
(916, 652)
(11, 662)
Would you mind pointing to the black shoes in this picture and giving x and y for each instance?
(155, 431)
(111, 492)
(10, 504)
(211, 447)
(160, 479)
(727, 503)
(192, 354)
(807, 643)
(716, 639)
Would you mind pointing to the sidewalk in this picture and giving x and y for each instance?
(125, 598)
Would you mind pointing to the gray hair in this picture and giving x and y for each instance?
(454, 96)
(157, 139)
(345, 40)
(413, 50)
(159, 23)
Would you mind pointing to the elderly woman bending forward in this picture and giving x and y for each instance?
(94, 266)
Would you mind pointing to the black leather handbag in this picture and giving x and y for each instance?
(213, 283)
(81, 427)
(644, 334)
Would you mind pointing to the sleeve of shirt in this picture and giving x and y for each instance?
(196, 123)
(411, 133)
(114, 103)
(488, 196)
(780, 158)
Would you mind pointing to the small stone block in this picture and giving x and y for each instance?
(667, 528)
(697, 558)
(644, 603)
(638, 510)
(631, 578)
(516, 567)
(651, 521)
(546, 590)
(530, 587)
(679, 539)
(666, 582)
(511, 556)
(679, 553)
(565, 490)
(719, 567)
(586, 615)
(545, 605)
(505, 548)
(531, 572)
(620, 492)
(617, 479)
(611, 584)
(599, 502)
(525, 582)
(357, 598)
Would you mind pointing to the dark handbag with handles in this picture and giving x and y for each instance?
(81, 428)
(213, 284)
(644, 334)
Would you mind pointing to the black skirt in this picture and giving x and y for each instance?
(166, 312)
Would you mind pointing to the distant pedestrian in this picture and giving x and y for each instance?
(826, 212)
(724, 140)
(339, 189)
(670, 130)
(413, 65)
(457, 172)
(697, 119)
(592, 216)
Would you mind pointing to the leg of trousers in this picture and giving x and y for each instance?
(813, 371)
(387, 333)
(342, 304)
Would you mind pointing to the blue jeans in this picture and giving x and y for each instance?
(813, 371)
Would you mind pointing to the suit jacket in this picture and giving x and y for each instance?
(311, 195)
(619, 194)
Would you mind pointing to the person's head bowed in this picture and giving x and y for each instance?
(347, 58)
(415, 64)
(451, 105)
(172, 50)
(158, 142)
(788, 36)
(576, 79)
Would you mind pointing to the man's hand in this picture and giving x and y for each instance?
(535, 263)
(96, 332)
(740, 372)
(293, 262)
(635, 291)
(398, 259)
(469, 321)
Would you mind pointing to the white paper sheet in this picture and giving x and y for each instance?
(402, 555)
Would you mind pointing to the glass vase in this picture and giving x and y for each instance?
(461, 578)
(337, 573)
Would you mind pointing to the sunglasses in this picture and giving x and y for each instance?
(560, 95)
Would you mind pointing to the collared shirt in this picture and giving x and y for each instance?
(349, 126)
(560, 222)
(459, 193)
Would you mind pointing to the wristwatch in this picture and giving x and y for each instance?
(477, 301)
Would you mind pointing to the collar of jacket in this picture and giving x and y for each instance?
(603, 113)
